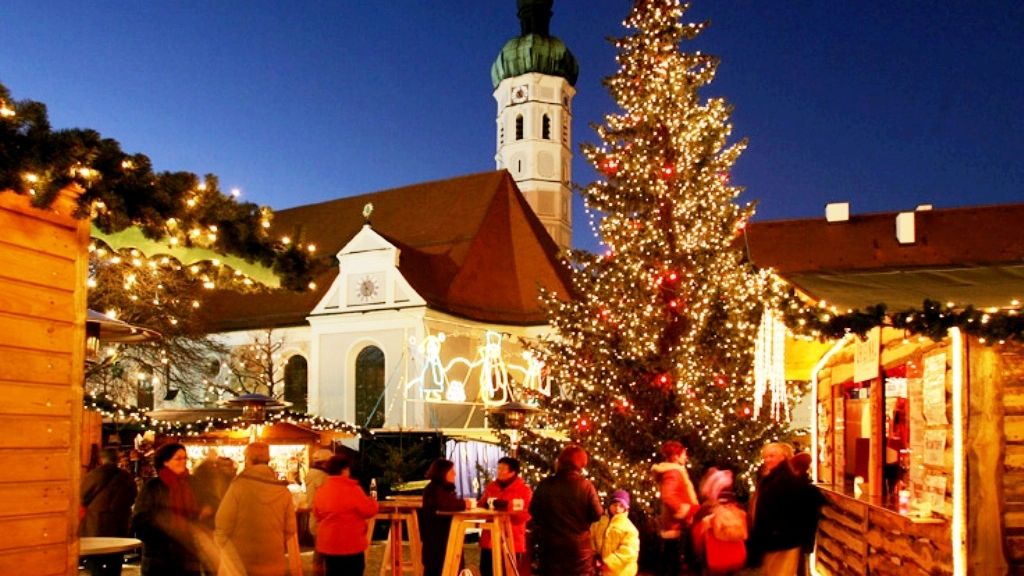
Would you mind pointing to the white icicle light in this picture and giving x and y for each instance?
(770, 365)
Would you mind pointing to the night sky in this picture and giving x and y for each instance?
(885, 104)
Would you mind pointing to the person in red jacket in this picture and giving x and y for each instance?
(342, 509)
(678, 505)
(508, 492)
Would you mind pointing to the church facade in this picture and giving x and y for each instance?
(421, 323)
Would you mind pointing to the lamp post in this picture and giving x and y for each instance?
(513, 417)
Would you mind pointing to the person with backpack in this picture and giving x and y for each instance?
(720, 530)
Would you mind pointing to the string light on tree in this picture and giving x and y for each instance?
(658, 341)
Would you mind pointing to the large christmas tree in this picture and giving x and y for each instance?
(658, 341)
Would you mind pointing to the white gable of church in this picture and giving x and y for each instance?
(368, 278)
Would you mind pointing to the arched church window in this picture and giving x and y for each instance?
(370, 387)
(296, 383)
(546, 127)
(519, 127)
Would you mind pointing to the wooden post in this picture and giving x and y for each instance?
(43, 265)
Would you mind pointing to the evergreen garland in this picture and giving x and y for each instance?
(932, 320)
(120, 190)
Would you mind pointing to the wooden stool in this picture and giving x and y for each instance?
(503, 553)
(393, 562)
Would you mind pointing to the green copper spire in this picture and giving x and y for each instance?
(534, 50)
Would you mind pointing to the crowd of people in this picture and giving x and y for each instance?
(214, 521)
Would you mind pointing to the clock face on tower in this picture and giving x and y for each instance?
(520, 93)
(366, 288)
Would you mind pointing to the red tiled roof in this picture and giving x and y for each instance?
(962, 255)
(470, 246)
(975, 236)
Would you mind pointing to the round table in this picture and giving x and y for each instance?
(100, 545)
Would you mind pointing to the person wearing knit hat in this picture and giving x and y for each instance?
(621, 497)
(616, 540)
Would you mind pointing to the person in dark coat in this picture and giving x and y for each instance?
(438, 496)
(809, 509)
(166, 517)
(562, 509)
(776, 535)
(108, 493)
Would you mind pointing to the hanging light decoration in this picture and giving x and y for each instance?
(770, 364)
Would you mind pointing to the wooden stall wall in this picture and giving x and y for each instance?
(995, 456)
(43, 261)
(856, 539)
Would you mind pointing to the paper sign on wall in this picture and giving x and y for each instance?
(865, 356)
(935, 492)
(935, 389)
(935, 447)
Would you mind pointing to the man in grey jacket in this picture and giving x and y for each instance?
(255, 518)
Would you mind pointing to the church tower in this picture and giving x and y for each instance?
(533, 79)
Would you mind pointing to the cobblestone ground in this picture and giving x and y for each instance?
(472, 554)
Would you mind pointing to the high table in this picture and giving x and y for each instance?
(503, 556)
(396, 512)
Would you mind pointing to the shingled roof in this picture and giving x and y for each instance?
(470, 246)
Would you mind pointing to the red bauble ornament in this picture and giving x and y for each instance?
(583, 425)
(720, 380)
(610, 165)
(663, 381)
(668, 171)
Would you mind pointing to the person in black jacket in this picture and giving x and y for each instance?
(166, 517)
(777, 533)
(562, 510)
(438, 496)
(108, 493)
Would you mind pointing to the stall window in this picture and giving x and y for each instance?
(370, 387)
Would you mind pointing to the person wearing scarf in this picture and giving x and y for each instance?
(165, 517)
(507, 492)
(438, 496)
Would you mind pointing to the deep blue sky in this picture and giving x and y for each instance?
(884, 103)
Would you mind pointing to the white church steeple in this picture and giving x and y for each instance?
(533, 80)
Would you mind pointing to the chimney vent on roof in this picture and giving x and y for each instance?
(905, 228)
(837, 211)
(923, 208)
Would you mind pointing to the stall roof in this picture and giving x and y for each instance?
(965, 255)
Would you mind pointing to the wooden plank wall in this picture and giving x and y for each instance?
(1006, 364)
(856, 539)
(43, 261)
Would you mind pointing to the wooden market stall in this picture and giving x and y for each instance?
(918, 434)
(43, 263)
(921, 459)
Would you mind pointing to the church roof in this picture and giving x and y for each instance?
(470, 246)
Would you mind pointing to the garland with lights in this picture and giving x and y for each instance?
(125, 413)
(933, 320)
(120, 190)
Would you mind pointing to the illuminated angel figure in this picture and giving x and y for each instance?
(493, 372)
(433, 377)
